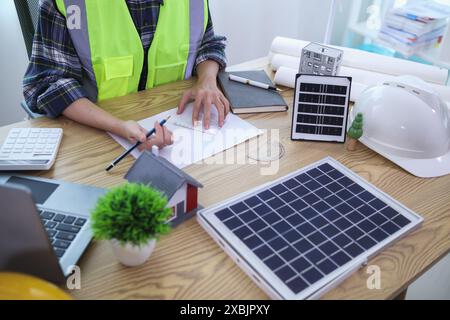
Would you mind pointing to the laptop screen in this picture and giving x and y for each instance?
(40, 190)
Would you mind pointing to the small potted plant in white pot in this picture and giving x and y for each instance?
(131, 217)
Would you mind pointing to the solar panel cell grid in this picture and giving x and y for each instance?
(320, 109)
(306, 227)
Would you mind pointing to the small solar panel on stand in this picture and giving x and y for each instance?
(355, 132)
(320, 108)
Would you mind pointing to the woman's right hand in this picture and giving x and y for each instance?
(132, 131)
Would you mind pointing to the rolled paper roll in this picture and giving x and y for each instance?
(288, 46)
(367, 61)
(370, 78)
(281, 60)
(285, 77)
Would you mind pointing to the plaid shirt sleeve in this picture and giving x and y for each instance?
(213, 47)
(54, 75)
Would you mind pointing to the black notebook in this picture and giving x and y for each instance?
(244, 98)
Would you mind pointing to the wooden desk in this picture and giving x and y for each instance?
(187, 264)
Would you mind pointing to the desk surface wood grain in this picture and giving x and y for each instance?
(187, 263)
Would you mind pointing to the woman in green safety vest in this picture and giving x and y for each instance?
(86, 51)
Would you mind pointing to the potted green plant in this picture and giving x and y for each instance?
(355, 132)
(131, 217)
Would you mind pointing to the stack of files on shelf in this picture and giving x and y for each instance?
(416, 27)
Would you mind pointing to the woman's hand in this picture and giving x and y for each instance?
(132, 131)
(205, 93)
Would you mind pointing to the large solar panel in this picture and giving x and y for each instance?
(320, 108)
(303, 231)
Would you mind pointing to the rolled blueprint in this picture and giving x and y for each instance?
(368, 61)
(286, 77)
(361, 79)
(365, 77)
(288, 46)
(281, 60)
(369, 78)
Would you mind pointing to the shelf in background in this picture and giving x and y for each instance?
(362, 30)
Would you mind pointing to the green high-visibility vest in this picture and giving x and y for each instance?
(110, 49)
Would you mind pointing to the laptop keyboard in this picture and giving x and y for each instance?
(61, 229)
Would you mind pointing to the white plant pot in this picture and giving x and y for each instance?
(131, 255)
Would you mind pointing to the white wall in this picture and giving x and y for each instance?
(13, 63)
(251, 25)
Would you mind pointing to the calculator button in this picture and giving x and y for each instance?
(24, 133)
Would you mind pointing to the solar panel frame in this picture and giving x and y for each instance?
(266, 278)
(318, 111)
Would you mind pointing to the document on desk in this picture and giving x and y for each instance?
(194, 143)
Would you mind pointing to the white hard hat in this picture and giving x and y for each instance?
(408, 123)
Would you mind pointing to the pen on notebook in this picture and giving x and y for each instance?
(253, 83)
(137, 144)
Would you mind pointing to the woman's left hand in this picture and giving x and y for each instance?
(205, 95)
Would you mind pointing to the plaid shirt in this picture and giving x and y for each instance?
(54, 76)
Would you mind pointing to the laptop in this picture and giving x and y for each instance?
(44, 225)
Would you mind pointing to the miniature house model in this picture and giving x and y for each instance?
(320, 60)
(180, 189)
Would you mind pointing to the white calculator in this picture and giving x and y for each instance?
(30, 149)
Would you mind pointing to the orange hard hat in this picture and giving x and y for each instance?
(17, 286)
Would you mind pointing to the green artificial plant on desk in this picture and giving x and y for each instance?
(355, 132)
(131, 217)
